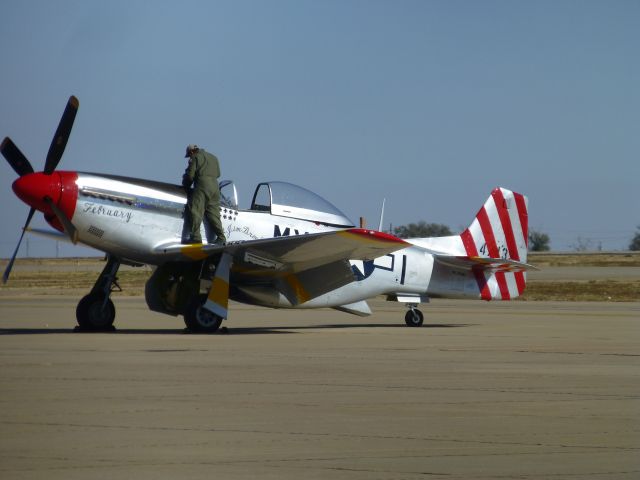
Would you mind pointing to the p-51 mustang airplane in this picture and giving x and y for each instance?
(290, 249)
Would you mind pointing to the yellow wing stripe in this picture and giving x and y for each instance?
(194, 251)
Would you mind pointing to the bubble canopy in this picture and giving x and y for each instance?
(289, 200)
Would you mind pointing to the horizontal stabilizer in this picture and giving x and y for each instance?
(487, 264)
(490, 278)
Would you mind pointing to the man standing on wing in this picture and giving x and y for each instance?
(203, 172)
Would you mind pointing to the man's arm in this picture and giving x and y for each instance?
(189, 174)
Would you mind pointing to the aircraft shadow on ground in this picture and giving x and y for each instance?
(266, 330)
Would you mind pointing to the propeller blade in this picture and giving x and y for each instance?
(7, 271)
(69, 228)
(61, 137)
(15, 157)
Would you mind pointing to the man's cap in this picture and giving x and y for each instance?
(190, 148)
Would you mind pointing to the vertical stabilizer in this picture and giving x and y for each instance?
(500, 230)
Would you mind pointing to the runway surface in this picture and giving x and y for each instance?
(485, 390)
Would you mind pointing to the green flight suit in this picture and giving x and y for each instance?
(203, 171)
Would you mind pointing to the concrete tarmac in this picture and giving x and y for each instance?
(484, 390)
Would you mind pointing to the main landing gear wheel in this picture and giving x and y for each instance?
(95, 313)
(414, 318)
(199, 319)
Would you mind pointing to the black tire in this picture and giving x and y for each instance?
(93, 314)
(414, 318)
(198, 319)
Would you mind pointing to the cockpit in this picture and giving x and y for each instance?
(287, 200)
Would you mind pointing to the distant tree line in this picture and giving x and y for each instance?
(635, 241)
(422, 229)
(538, 241)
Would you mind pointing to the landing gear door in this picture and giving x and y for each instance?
(228, 194)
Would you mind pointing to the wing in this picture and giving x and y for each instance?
(301, 267)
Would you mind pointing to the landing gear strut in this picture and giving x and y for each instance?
(96, 312)
(414, 317)
(206, 311)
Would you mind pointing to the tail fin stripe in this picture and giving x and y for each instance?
(507, 228)
(514, 216)
(521, 203)
(493, 212)
(512, 281)
(515, 284)
(487, 231)
(483, 285)
(469, 243)
(520, 282)
(502, 285)
(478, 237)
(472, 251)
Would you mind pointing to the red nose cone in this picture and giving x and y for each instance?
(34, 187)
(60, 187)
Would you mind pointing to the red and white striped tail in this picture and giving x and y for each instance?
(500, 230)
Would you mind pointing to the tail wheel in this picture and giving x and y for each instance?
(94, 313)
(414, 318)
(199, 319)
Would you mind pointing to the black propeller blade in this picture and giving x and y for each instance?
(15, 157)
(69, 228)
(7, 271)
(61, 137)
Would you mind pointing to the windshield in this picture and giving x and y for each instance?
(228, 194)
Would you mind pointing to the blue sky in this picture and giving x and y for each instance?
(429, 104)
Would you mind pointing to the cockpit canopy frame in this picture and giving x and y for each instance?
(288, 200)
